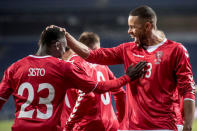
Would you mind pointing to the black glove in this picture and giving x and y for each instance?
(136, 71)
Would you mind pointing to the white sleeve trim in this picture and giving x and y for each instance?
(1, 98)
(189, 99)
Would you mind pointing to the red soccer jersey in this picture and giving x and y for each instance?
(149, 99)
(96, 109)
(38, 85)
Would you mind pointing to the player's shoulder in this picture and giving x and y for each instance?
(176, 45)
(17, 64)
(73, 61)
(48, 61)
(44, 60)
(99, 67)
(76, 58)
(66, 66)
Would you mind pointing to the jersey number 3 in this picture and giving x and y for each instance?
(148, 70)
(46, 101)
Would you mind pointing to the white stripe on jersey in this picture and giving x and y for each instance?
(75, 108)
(189, 99)
(1, 98)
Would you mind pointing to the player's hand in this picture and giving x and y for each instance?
(187, 127)
(136, 71)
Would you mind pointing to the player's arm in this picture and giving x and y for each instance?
(186, 85)
(119, 98)
(105, 56)
(84, 82)
(77, 46)
(5, 88)
(132, 73)
(189, 109)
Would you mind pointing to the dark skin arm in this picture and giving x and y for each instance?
(77, 46)
(189, 109)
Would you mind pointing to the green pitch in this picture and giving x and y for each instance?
(194, 128)
(6, 125)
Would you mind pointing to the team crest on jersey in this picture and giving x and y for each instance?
(158, 57)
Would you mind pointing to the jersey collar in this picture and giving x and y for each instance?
(154, 47)
(34, 56)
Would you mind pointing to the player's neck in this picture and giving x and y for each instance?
(42, 51)
(155, 38)
(68, 54)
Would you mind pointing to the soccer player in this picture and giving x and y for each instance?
(149, 102)
(103, 116)
(39, 83)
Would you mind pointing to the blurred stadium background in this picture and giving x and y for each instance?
(21, 22)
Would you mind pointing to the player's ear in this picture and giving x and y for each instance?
(148, 26)
(58, 45)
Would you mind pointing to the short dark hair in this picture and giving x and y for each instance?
(146, 13)
(89, 38)
(51, 35)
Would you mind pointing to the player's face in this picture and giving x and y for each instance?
(136, 29)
